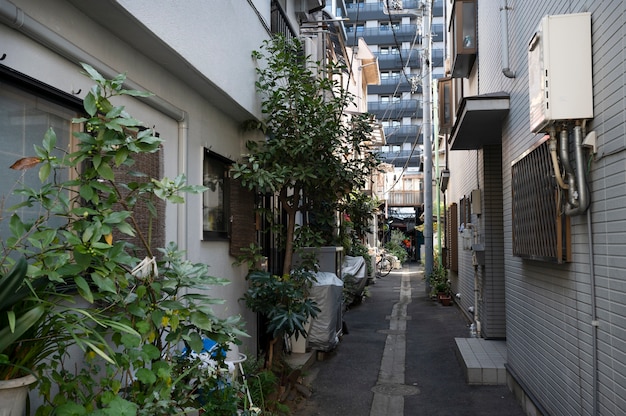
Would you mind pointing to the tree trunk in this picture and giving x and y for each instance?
(291, 226)
(291, 209)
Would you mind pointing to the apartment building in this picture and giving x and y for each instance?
(393, 30)
(533, 121)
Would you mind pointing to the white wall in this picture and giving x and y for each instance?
(215, 37)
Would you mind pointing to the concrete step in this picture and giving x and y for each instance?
(482, 360)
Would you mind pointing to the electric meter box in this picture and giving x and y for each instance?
(559, 70)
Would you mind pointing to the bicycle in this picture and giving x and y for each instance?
(384, 265)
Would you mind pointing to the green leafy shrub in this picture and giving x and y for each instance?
(143, 311)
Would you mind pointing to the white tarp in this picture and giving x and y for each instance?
(354, 266)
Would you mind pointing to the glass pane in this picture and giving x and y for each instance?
(447, 110)
(24, 119)
(213, 201)
(469, 25)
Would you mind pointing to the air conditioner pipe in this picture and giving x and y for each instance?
(569, 171)
(582, 197)
(555, 159)
(504, 33)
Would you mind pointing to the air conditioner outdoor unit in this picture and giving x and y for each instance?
(311, 53)
(559, 70)
(304, 8)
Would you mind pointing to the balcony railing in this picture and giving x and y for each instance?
(398, 109)
(399, 60)
(405, 198)
(391, 85)
(381, 35)
(279, 22)
(402, 134)
(401, 158)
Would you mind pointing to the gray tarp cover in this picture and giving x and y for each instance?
(327, 293)
(354, 266)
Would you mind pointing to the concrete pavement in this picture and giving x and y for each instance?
(398, 358)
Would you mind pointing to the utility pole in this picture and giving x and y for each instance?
(424, 11)
(428, 153)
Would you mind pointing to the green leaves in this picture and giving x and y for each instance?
(284, 300)
(130, 326)
(314, 154)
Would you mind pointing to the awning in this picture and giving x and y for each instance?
(479, 121)
(369, 63)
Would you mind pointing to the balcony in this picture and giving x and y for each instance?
(405, 198)
(403, 134)
(381, 35)
(438, 33)
(359, 12)
(391, 86)
(399, 60)
(279, 21)
(398, 109)
(437, 58)
(401, 158)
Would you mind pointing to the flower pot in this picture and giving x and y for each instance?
(446, 300)
(13, 395)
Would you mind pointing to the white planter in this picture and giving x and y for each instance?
(13, 395)
(299, 346)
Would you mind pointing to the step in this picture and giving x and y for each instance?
(482, 360)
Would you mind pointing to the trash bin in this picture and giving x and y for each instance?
(326, 326)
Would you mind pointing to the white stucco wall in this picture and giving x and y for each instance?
(204, 42)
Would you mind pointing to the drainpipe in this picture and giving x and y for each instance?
(14, 17)
(594, 318)
(504, 33)
(582, 197)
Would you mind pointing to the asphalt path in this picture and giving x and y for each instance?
(398, 358)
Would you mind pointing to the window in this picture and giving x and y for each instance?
(389, 50)
(464, 30)
(390, 98)
(25, 116)
(359, 28)
(215, 207)
(386, 26)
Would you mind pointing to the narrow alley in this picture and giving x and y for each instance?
(399, 358)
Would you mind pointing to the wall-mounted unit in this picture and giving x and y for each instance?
(559, 70)
(304, 8)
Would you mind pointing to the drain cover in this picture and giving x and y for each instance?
(395, 389)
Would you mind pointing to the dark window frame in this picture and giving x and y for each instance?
(220, 233)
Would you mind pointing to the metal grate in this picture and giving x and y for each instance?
(540, 230)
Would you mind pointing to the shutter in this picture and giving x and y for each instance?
(151, 165)
(242, 219)
(452, 236)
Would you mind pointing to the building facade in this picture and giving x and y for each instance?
(203, 90)
(393, 30)
(533, 124)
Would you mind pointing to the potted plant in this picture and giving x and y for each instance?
(440, 284)
(142, 313)
(284, 302)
